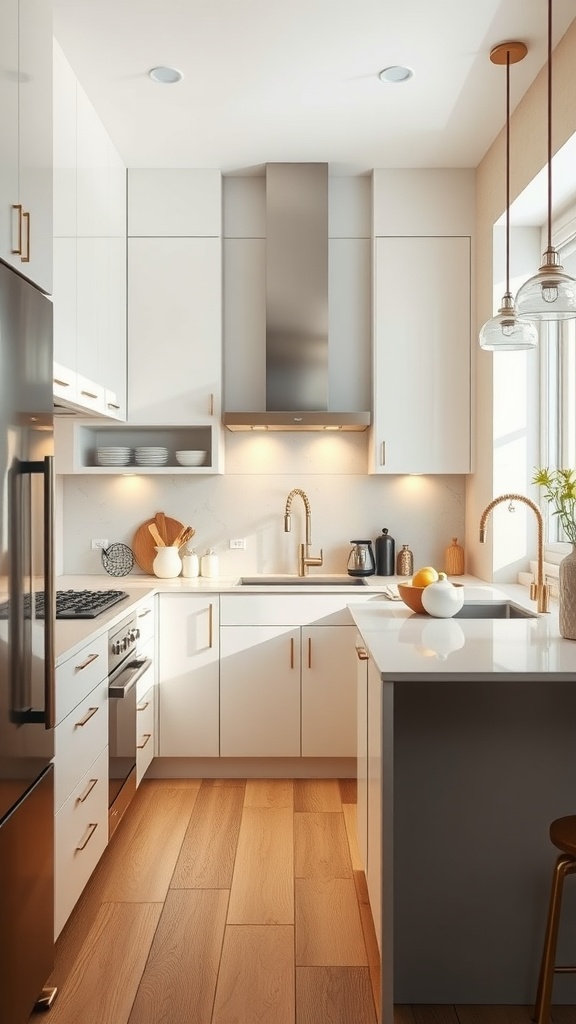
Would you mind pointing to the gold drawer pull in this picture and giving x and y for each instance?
(113, 405)
(90, 832)
(383, 453)
(61, 383)
(89, 660)
(362, 654)
(18, 206)
(146, 611)
(309, 652)
(89, 714)
(87, 791)
(147, 736)
(89, 394)
(142, 707)
(291, 652)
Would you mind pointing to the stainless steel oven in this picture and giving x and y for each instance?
(124, 670)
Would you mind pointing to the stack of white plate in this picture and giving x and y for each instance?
(112, 455)
(151, 456)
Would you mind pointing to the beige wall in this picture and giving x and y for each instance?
(528, 156)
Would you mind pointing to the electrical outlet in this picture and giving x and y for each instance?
(96, 545)
(239, 544)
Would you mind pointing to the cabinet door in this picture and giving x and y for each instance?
(259, 691)
(188, 676)
(145, 730)
(375, 754)
(174, 329)
(329, 691)
(362, 744)
(8, 126)
(422, 355)
(174, 201)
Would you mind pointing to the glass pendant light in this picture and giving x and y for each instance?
(551, 293)
(507, 331)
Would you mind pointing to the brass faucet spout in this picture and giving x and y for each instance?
(304, 558)
(539, 591)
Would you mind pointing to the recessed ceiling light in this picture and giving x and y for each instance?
(395, 74)
(166, 76)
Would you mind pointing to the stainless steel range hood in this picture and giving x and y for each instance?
(297, 347)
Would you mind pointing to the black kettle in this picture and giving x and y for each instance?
(361, 559)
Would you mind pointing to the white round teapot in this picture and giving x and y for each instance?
(443, 599)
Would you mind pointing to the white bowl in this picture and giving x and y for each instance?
(191, 458)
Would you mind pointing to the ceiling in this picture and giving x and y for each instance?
(267, 80)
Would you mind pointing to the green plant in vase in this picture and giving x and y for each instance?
(559, 489)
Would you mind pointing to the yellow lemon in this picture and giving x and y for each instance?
(424, 577)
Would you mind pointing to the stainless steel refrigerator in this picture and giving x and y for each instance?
(27, 614)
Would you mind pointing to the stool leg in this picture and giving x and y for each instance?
(565, 864)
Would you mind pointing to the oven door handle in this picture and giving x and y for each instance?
(133, 671)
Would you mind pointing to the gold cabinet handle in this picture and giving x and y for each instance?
(26, 217)
(61, 383)
(211, 406)
(113, 405)
(89, 394)
(83, 721)
(18, 206)
(309, 652)
(146, 737)
(89, 660)
(84, 796)
(142, 707)
(362, 654)
(144, 612)
(211, 625)
(383, 453)
(291, 652)
(90, 832)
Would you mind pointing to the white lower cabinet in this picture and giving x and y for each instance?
(81, 836)
(259, 691)
(80, 773)
(188, 674)
(328, 691)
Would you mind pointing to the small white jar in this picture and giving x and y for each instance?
(167, 563)
(209, 564)
(190, 564)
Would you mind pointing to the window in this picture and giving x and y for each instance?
(558, 391)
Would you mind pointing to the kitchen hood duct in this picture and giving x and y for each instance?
(297, 349)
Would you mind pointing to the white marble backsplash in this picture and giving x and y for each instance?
(248, 502)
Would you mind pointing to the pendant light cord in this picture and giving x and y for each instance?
(549, 124)
(507, 171)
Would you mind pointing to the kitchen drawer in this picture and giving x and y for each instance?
(146, 620)
(81, 836)
(79, 675)
(145, 732)
(78, 740)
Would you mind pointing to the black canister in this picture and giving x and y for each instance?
(385, 554)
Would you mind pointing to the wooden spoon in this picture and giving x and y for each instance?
(160, 519)
(158, 539)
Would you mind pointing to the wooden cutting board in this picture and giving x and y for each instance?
(143, 544)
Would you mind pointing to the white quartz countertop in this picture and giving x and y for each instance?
(409, 647)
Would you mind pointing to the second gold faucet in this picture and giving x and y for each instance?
(304, 557)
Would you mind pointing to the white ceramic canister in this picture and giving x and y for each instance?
(167, 564)
(209, 564)
(190, 564)
(443, 599)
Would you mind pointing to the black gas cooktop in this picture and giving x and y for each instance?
(72, 604)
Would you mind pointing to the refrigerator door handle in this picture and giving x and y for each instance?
(47, 716)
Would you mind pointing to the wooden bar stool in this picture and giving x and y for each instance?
(563, 835)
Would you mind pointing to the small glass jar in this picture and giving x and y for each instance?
(405, 562)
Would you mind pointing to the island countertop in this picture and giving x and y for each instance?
(411, 647)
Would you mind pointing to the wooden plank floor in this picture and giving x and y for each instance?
(232, 902)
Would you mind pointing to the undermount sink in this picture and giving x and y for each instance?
(302, 581)
(493, 610)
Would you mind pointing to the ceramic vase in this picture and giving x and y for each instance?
(567, 595)
(167, 563)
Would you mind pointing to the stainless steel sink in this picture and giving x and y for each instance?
(493, 610)
(302, 581)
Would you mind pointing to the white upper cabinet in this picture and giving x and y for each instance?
(26, 127)
(89, 252)
(423, 224)
(175, 202)
(174, 297)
